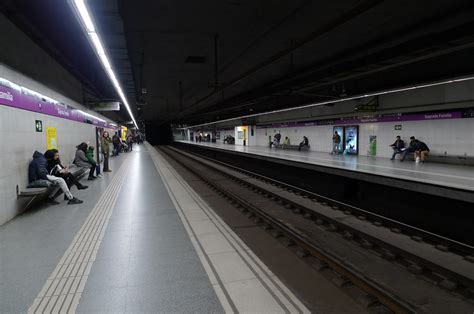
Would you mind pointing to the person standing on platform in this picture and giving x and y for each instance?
(105, 145)
(336, 141)
(116, 144)
(397, 146)
(130, 141)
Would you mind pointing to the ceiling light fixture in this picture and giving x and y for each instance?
(85, 18)
(390, 91)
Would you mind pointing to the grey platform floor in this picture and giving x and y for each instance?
(145, 263)
(453, 176)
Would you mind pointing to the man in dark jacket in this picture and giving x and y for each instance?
(397, 146)
(411, 148)
(37, 171)
(421, 151)
(38, 177)
(304, 143)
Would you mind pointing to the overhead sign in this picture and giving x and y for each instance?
(370, 106)
(105, 106)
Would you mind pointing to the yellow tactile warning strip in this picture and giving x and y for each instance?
(63, 289)
(241, 281)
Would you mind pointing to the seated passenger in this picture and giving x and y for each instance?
(38, 177)
(81, 160)
(286, 142)
(397, 146)
(90, 158)
(305, 142)
(410, 149)
(55, 168)
(421, 151)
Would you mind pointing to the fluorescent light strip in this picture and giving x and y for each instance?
(90, 115)
(100, 50)
(391, 91)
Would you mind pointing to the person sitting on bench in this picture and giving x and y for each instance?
(55, 168)
(397, 146)
(80, 160)
(38, 177)
(421, 151)
(90, 158)
(276, 140)
(286, 142)
(304, 143)
(411, 148)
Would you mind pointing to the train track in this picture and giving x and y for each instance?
(334, 233)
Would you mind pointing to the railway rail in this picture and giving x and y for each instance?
(378, 255)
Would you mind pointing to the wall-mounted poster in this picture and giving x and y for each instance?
(51, 141)
(351, 141)
(338, 148)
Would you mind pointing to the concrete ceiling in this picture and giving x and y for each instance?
(281, 53)
(270, 54)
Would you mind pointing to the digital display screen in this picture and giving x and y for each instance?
(351, 140)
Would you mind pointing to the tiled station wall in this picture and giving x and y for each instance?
(20, 140)
(453, 137)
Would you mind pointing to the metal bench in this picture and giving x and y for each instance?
(291, 147)
(446, 159)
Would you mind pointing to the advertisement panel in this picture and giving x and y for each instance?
(351, 140)
(51, 140)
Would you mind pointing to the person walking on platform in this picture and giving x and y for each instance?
(397, 146)
(105, 142)
(38, 177)
(304, 143)
(81, 160)
(336, 141)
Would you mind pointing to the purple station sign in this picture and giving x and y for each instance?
(399, 117)
(15, 96)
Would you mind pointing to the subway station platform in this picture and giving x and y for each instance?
(142, 241)
(433, 178)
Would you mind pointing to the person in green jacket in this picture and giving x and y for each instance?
(90, 158)
(105, 142)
